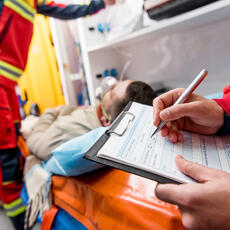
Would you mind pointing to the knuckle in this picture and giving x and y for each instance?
(174, 127)
(158, 104)
(175, 110)
(187, 201)
(220, 174)
(189, 222)
(178, 90)
(181, 90)
(156, 100)
(188, 167)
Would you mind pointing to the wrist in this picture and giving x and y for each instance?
(219, 115)
(109, 2)
(225, 128)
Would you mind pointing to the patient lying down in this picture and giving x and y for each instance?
(63, 123)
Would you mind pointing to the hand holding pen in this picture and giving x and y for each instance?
(197, 114)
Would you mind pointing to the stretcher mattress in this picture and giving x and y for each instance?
(110, 198)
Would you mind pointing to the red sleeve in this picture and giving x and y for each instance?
(225, 101)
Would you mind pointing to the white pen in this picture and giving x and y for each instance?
(201, 76)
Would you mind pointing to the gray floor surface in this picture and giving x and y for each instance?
(5, 223)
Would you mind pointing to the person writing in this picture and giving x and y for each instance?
(204, 205)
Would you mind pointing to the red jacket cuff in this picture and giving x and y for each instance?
(224, 103)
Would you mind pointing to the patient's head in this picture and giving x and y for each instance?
(119, 95)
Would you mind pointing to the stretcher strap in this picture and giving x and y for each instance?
(48, 218)
(22, 146)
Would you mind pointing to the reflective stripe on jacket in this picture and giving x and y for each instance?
(16, 29)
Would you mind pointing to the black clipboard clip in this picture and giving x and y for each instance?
(121, 124)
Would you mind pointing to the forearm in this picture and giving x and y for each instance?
(225, 104)
(35, 139)
(225, 129)
(72, 11)
(45, 120)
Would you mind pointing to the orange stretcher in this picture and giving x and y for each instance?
(110, 198)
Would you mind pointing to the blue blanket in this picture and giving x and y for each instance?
(67, 159)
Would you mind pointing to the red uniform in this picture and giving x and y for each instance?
(16, 29)
(225, 104)
(225, 101)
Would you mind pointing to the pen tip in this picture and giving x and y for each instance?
(154, 132)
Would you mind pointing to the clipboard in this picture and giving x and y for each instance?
(92, 153)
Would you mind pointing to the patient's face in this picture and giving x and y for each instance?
(117, 91)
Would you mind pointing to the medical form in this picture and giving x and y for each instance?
(136, 148)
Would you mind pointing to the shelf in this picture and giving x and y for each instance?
(202, 16)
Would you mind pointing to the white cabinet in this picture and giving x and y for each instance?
(172, 51)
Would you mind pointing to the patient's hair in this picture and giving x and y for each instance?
(137, 91)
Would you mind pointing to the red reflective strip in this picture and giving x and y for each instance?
(52, 4)
(48, 218)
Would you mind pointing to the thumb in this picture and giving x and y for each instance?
(171, 193)
(178, 111)
(196, 171)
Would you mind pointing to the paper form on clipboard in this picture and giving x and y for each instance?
(130, 144)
